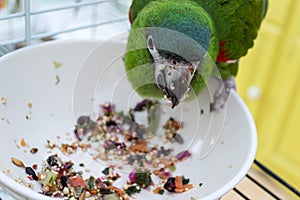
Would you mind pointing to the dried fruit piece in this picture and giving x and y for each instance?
(176, 184)
(77, 181)
(140, 146)
(22, 142)
(49, 177)
(116, 190)
(17, 162)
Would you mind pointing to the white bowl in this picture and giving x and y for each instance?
(223, 145)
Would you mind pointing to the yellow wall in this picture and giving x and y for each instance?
(269, 82)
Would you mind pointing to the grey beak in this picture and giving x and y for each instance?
(174, 89)
(173, 77)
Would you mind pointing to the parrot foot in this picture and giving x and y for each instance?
(222, 93)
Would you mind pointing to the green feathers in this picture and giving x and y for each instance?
(225, 29)
(235, 21)
(181, 28)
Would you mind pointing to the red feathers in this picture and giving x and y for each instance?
(130, 16)
(222, 56)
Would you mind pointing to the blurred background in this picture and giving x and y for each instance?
(267, 80)
(61, 19)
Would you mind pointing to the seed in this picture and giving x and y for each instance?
(66, 190)
(201, 111)
(17, 162)
(3, 100)
(81, 164)
(57, 79)
(64, 181)
(31, 172)
(29, 104)
(148, 157)
(33, 150)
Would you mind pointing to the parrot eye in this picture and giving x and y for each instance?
(174, 62)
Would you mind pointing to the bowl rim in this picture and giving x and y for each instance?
(247, 164)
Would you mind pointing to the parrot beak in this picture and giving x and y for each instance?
(172, 76)
(174, 81)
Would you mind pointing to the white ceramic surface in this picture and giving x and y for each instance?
(223, 144)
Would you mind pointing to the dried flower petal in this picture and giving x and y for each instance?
(141, 106)
(170, 184)
(132, 176)
(108, 109)
(183, 155)
(83, 120)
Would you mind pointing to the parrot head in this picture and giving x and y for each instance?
(169, 50)
(173, 74)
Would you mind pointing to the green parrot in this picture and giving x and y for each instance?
(174, 45)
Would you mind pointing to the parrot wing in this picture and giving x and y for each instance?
(237, 23)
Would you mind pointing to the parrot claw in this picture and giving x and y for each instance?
(222, 93)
